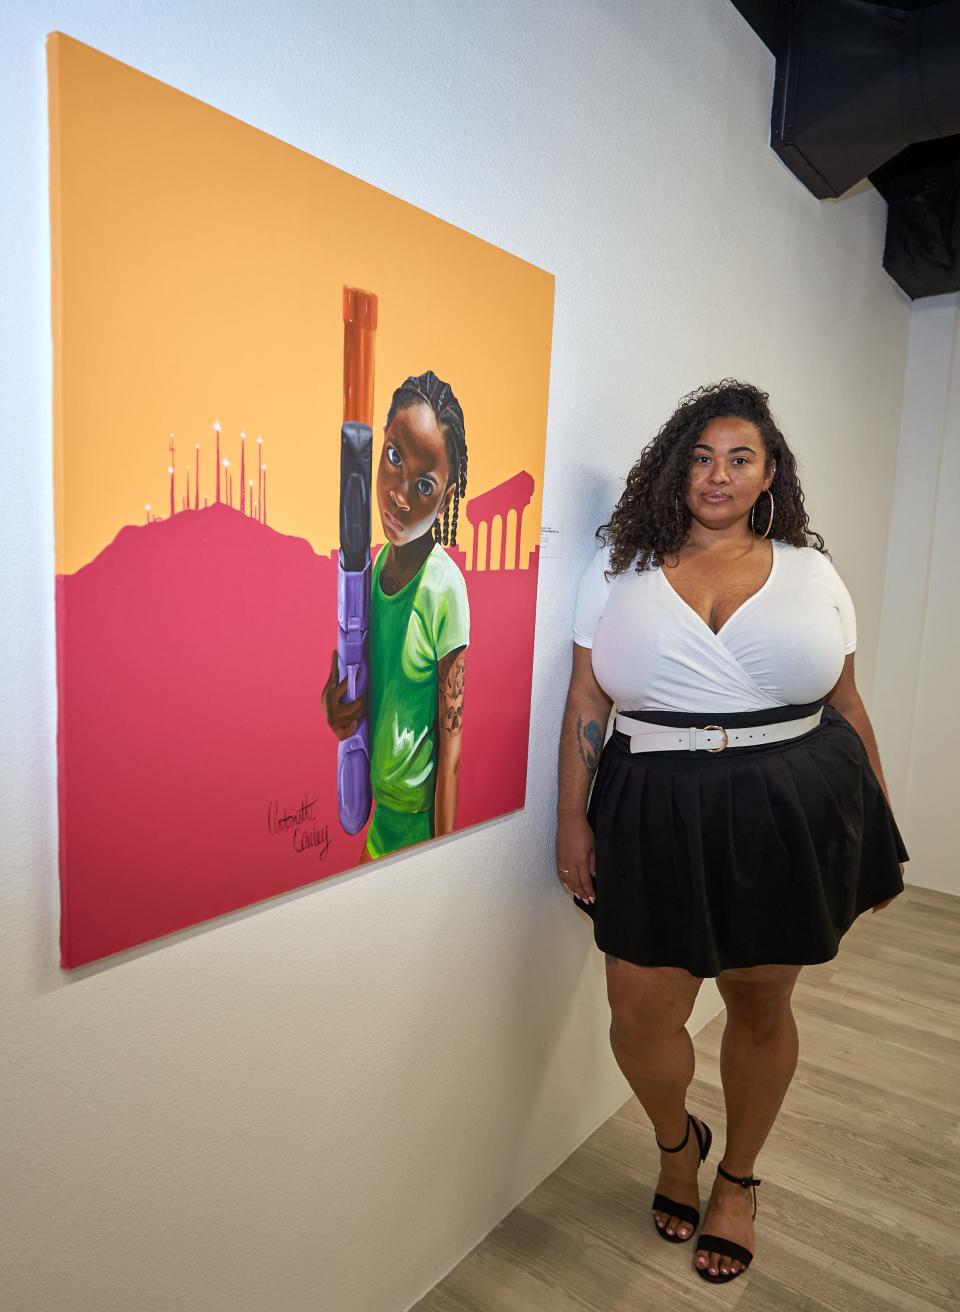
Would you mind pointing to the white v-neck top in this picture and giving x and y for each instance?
(782, 646)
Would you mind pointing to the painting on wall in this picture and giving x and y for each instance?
(299, 432)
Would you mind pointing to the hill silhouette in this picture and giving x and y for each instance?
(197, 770)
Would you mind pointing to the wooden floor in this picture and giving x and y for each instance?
(859, 1210)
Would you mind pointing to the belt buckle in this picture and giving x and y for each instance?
(723, 746)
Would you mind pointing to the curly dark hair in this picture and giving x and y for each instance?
(652, 517)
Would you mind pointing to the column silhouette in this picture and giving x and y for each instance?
(514, 494)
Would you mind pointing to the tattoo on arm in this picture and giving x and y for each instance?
(590, 744)
(451, 675)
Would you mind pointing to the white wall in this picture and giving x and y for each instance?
(917, 714)
(325, 1101)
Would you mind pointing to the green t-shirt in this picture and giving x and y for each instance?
(409, 633)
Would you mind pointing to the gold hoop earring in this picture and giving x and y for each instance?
(769, 522)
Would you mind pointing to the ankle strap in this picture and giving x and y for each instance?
(745, 1180)
(679, 1145)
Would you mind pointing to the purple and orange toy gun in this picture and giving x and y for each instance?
(353, 567)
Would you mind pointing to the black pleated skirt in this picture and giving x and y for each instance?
(752, 856)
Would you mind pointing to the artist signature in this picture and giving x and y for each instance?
(306, 832)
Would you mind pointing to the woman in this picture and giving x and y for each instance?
(419, 624)
(739, 821)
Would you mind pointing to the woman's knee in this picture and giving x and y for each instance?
(758, 995)
(648, 1001)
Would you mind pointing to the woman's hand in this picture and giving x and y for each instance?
(576, 856)
(342, 717)
(881, 905)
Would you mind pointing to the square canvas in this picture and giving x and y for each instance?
(299, 433)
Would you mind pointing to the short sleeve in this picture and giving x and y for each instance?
(449, 617)
(844, 604)
(591, 598)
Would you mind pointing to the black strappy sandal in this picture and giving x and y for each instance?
(717, 1243)
(683, 1211)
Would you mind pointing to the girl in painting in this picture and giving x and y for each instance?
(419, 624)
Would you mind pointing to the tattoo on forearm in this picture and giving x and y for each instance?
(590, 744)
(451, 674)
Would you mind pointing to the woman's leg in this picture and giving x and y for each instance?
(649, 1007)
(758, 1056)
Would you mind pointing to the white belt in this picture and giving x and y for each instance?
(647, 737)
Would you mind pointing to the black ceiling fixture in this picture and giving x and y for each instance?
(871, 89)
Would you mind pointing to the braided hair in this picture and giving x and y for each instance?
(651, 519)
(428, 389)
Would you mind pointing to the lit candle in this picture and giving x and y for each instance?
(147, 509)
(264, 504)
(259, 470)
(196, 489)
(216, 429)
(243, 469)
(170, 472)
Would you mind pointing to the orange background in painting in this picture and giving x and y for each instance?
(198, 274)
